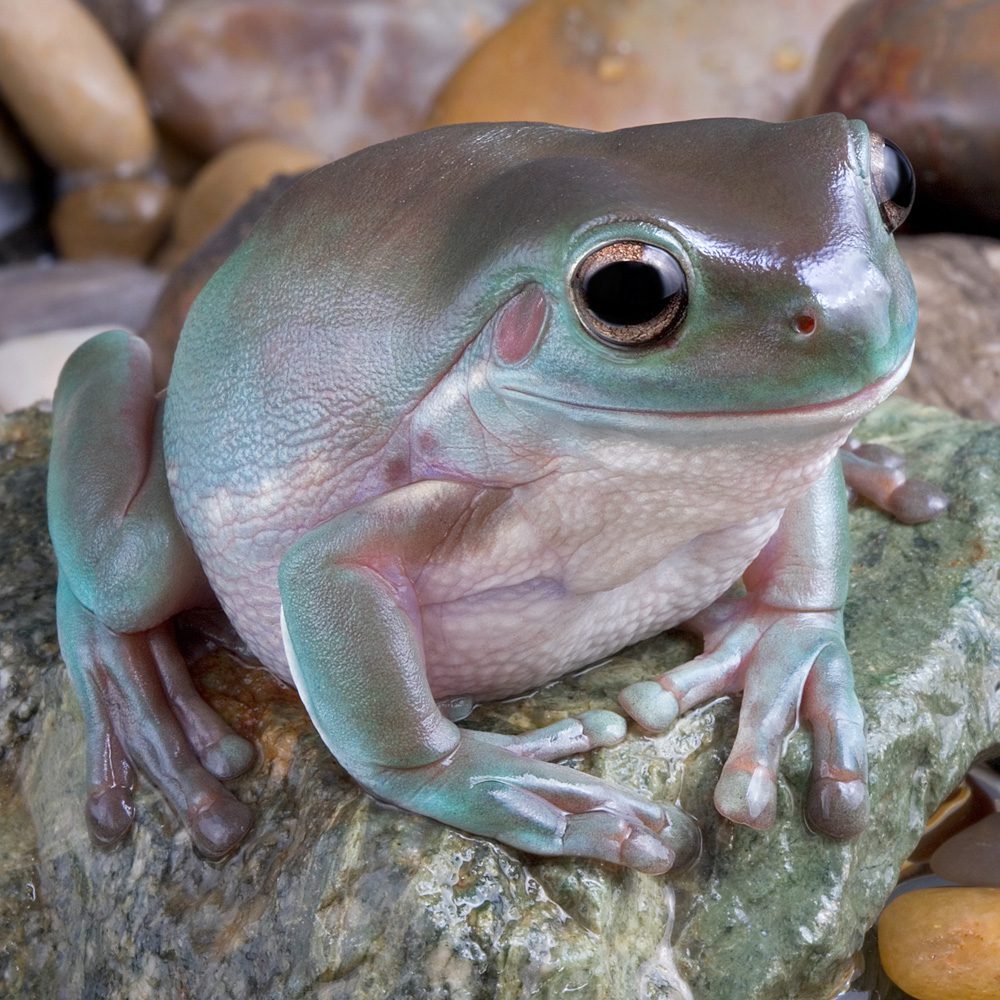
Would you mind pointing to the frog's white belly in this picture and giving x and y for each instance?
(504, 641)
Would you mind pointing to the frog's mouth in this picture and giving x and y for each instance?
(846, 411)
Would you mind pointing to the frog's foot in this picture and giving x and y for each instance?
(789, 665)
(513, 796)
(878, 474)
(577, 734)
(141, 709)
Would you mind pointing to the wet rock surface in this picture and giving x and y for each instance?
(336, 895)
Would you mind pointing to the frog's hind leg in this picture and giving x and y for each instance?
(126, 569)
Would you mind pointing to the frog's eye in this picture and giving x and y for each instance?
(893, 181)
(629, 294)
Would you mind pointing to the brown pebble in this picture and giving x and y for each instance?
(608, 64)
(324, 75)
(113, 217)
(223, 185)
(925, 73)
(971, 857)
(70, 89)
(941, 944)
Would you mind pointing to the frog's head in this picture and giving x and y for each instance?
(721, 267)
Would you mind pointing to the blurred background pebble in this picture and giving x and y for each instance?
(331, 77)
(926, 73)
(607, 64)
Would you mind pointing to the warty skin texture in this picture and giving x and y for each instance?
(409, 472)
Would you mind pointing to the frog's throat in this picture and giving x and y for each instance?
(846, 411)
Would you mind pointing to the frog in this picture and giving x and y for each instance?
(468, 411)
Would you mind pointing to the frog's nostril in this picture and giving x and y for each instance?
(805, 324)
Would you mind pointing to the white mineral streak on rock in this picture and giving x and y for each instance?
(659, 978)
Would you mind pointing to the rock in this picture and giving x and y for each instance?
(957, 361)
(226, 182)
(30, 366)
(926, 74)
(127, 21)
(607, 64)
(70, 89)
(327, 76)
(113, 217)
(337, 896)
(941, 944)
(188, 277)
(41, 297)
(972, 857)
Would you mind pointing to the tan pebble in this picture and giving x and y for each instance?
(114, 217)
(942, 944)
(608, 64)
(70, 88)
(970, 857)
(224, 184)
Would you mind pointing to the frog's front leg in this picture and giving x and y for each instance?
(352, 628)
(782, 645)
(125, 568)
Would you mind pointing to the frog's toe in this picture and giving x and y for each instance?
(110, 812)
(838, 793)
(110, 805)
(577, 815)
(917, 501)
(229, 757)
(220, 750)
(576, 734)
(879, 475)
(219, 826)
(139, 710)
(618, 841)
(655, 704)
(650, 705)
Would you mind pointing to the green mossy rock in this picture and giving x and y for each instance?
(337, 896)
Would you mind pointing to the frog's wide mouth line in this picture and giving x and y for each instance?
(848, 407)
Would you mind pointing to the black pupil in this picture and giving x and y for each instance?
(628, 292)
(897, 176)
